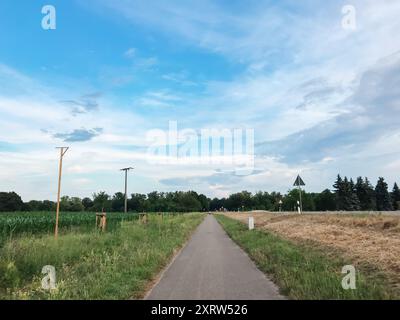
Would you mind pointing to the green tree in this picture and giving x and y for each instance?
(274, 198)
(383, 201)
(187, 202)
(65, 203)
(325, 201)
(346, 196)
(366, 194)
(234, 202)
(217, 204)
(262, 201)
(47, 205)
(396, 197)
(153, 201)
(170, 202)
(353, 203)
(76, 204)
(101, 201)
(33, 205)
(73, 204)
(137, 202)
(10, 201)
(204, 201)
(291, 198)
(340, 192)
(87, 204)
(118, 202)
(240, 201)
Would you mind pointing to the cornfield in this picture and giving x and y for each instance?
(15, 223)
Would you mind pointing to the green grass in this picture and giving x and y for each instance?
(302, 271)
(91, 265)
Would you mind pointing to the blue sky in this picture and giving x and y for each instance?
(321, 99)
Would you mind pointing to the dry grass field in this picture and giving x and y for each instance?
(367, 239)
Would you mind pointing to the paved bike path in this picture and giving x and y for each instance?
(212, 266)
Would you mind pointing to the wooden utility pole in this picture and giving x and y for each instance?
(63, 150)
(126, 188)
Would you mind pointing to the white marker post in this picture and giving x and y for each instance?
(251, 223)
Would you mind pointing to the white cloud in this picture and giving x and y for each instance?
(315, 91)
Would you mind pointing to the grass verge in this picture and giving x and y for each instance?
(113, 265)
(301, 271)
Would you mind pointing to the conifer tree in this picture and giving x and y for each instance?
(383, 201)
(396, 197)
(366, 194)
(339, 193)
(351, 200)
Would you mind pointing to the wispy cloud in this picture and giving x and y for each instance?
(372, 113)
(162, 98)
(79, 135)
(130, 53)
(180, 78)
(87, 103)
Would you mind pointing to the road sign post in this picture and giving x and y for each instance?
(299, 182)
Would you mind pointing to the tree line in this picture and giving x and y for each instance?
(346, 195)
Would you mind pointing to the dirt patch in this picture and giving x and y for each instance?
(364, 238)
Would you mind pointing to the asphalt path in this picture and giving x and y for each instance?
(212, 267)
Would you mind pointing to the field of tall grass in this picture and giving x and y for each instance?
(117, 264)
(303, 270)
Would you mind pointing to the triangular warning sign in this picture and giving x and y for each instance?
(299, 181)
